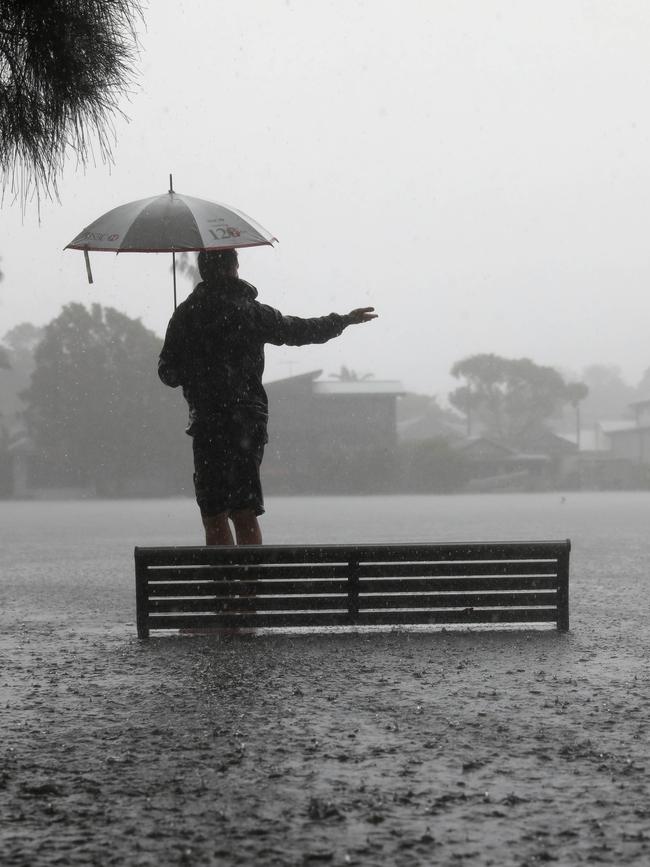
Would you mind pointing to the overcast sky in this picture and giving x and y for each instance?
(477, 170)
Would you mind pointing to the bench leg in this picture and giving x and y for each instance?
(563, 592)
(141, 600)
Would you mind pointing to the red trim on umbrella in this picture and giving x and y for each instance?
(168, 249)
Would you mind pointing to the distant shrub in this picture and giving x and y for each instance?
(432, 466)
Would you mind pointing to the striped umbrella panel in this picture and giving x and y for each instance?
(168, 223)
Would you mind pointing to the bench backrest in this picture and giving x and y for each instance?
(352, 585)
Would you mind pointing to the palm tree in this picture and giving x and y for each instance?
(63, 67)
(347, 374)
(187, 267)
(576, 392)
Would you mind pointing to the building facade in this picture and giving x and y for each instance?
(331, 436)
(631, 441)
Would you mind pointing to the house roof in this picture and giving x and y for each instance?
(524, 457)
(335, 386)
(20, 444)
(548, 442)
(484, 448)
(427, 426)
(618, 426)
(629, 431)
(485, 444)
(590, 441)
(301, 378)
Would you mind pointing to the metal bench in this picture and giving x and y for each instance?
(271, 586)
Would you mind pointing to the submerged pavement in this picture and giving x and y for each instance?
(504, 748)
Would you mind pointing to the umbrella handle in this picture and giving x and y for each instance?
(174, 272)
(88, 270)
(171, 190)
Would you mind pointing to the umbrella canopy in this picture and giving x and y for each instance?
(170, 223)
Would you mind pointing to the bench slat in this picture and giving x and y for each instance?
(239, 571)
(267, 603)
(229, 588)
(398, 601)
(367, 618)
(458, 600)
(384, 585)
(272, 554)
(450, 570)
(472, 583)
(312, 571)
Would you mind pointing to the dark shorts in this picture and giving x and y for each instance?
(227, 462)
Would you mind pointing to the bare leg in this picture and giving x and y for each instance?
(247, 528)
(248, 532)
(217, 530)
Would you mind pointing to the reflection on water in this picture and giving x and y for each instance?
(462, 517)
(85, 528)
(72, 562)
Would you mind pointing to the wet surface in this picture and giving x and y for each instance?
(504, 748)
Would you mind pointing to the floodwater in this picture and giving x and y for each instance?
(394, 748)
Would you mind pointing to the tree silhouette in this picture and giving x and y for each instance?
(95, 407)
(609, 394)
(18, 345)
(63, 68)
(643, 388)
(512, 398)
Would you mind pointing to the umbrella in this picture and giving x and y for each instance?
(170, 223)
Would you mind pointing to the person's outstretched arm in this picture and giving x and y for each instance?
(296, 331)
(362, 314)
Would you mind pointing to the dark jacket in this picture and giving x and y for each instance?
(214, 349)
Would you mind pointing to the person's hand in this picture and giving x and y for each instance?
(362, 314)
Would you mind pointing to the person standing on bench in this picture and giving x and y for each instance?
(214, 349)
